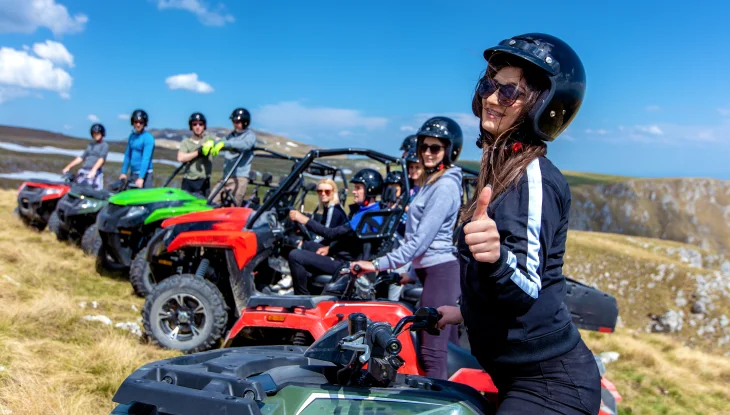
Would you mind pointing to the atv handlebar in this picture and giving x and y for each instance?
(382, 336)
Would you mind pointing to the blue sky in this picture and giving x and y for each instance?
(335, 73)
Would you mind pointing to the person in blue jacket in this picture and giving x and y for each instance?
(139, 152)
(512, 243)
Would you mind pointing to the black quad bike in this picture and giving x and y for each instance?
(353, 369)
(207, 265)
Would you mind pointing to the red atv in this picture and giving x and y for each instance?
(208, 265)
(37, 200)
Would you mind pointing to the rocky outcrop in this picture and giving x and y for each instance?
(693, 211)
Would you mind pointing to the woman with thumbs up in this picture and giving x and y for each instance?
(429, 233)
(513, 241)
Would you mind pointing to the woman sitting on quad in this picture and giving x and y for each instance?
(344, 245)
(93, 159)
(333, 215)
(513, 242)
(429, 233)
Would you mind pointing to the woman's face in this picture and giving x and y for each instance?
(432, 151)
(414, 171)
(497, 118)
(324, 191)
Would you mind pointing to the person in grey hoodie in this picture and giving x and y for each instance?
(240, 140)
(429, 243)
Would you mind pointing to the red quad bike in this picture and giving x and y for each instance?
(310, 317)
(208, 265)
(37, 199)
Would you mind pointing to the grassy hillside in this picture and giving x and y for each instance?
(52, 360)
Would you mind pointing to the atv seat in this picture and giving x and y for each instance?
(321, 280)
(412, 293)
(459, 358)
(288, 301)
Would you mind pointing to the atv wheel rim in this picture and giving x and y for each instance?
(182, 317)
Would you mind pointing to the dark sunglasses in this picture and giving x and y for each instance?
(507, 95)
(433, 148)
(137, 122)
(324, 191)
(194, 123)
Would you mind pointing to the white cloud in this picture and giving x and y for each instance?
(94, 118)
(725, 112)
(25, 16)
(344, 133)
(294, 116)
(201, 9)
(407, 129)
(653, 108)
(8, 93)
(189, 82)
(54, 52)
(21, 70)
(599, 132)
(123, 116)
(67, 127)
(650, 129)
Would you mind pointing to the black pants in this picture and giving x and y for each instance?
(441, 286)
(567, 384)
(303, 262)
(199, 187)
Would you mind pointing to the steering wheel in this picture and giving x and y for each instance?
(284, 212)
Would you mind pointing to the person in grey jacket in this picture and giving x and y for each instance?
(240, 140)
(92, 159)
(429, 243)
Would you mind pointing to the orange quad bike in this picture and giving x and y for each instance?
(208, 265)
(268, 319)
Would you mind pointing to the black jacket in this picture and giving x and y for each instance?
(342, 240)
(338, 217)
(513, 309)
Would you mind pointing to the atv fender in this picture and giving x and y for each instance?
(169, 212)
(243, 244)
(477, 379)
(242, 278)
(234, 216)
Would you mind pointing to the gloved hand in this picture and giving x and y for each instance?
(206, 147)
(217, 148)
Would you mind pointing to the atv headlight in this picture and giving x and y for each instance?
(87, 204)
(51, 192)
(135, 211)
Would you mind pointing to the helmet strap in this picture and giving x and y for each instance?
(433, 170)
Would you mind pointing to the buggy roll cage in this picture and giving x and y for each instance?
(370, 217)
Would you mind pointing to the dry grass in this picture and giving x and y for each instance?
(55, 362)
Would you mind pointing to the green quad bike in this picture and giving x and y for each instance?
(351, 369)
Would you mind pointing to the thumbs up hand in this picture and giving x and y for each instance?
(481, 233)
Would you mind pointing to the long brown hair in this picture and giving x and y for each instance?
(425, 178)
(503, 163)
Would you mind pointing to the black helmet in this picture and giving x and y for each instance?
(408, 143)
(139, 115)
(448, 131)
(395, 177)
(556, 107)
(242, 115)
(97, 128)
(372, 180)
(197, 116)
(412, 157)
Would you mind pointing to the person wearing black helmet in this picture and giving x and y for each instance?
(93, 158)
(432, 215)
(513, 241)
(139, 152)
(409, 143)
(415, 171)
(196, 178)
(241, 140)
(344, 246)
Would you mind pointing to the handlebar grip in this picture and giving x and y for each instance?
(383, 337)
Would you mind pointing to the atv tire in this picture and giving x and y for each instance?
(54, 225)
(91, 241)
(173, 317)
(140, 275)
